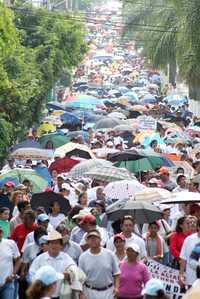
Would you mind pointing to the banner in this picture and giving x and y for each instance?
(147, 123)
(169, 277)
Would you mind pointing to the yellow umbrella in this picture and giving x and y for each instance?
(140, 137)
(46, 128)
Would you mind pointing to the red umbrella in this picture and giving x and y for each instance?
(63, 165)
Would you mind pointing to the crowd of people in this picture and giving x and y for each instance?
(61, 243)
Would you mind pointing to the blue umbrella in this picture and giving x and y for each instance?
(149, 99)
(55, 106)
(70, 118)
(44, 172)
(27, 143)
(132, 96)
(73, 134)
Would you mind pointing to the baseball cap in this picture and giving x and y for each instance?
(54, 235)
(89, 218)
(42, 217)
(47, 275)
(152, 287)
(80, 215)
(9, 184)
(21, 187)
(134, 247)
(119, 236)
(94, 233)
(43, 240)
(163, 170)
(66, 186)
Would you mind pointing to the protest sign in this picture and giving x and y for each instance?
(169, 277)
(147, 123)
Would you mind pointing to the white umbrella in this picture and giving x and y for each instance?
(32, 153)
(153, 194)
(123, 189)
(183, 197)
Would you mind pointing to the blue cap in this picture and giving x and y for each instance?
(152, 287)
(42, 217)
(47, 275)
(43, 240)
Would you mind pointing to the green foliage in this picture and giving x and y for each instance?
(36, 49)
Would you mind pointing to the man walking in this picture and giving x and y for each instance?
(101, 268)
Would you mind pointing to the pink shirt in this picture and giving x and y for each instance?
(132, 279)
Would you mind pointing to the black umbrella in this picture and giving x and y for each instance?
(142, 212)
(45, 199)
(128, 155)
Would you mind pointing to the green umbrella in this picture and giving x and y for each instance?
(135, 165)
(18, 175)
(57, 140)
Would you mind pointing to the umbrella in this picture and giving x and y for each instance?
(56, 138)
(26, 143)
(123, 128)
(55, 106)
(183, 197)
(70, 119)
(45, 199)
(74, 149)
(135, 166)
(118, 115)
(127, 155)
(109, 174)
(152, 195)
(63, 165)
(123, 189)
(132, 96)
(18, 175)
(156, 160)
(107, 123)
(149, 99)
(78, 104)
(46, 128)
(32, 153)
(73, 134)
(79, 170)
(142, 212)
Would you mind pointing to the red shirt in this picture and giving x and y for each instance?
(176, 243)
(19, 234)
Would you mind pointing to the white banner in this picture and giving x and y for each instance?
(169, 277)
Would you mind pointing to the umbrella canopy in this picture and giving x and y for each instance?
(79, 170)
(156, 160)
(128, 155)
(123, 128)
(70, 119)
(46, 128)
(183, 197)
(32, 153)
(142, 212)
(27, 143)
(82, 105)
(117, 115)
(74, 149)
(135, 166)
(63, 165)
(55, 106)
(109, 174)
(18, 175)
(55, 138)
(73, 134)
(107, 123)
(123, 189)
(152, 195)
(45, 199)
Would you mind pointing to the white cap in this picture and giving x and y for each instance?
(66, 186)
(47, 275)
(134, 247)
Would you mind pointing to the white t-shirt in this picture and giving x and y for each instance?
(60, 263)
(8, 252)
(185, 254)
(55, 220)
(133, 239)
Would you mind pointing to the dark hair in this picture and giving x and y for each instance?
(180, 168)
(198, 222)
(74, 211)
(80, 196)
(179, 223)
(38, 233)
(26, 181)
(22, 204)
(128, 217)
(52, 205)
(179, 178)
(198, 272)
(154, 223)
(37, 290)
(30, 214)
(3, 209)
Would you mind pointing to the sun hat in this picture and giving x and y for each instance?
(152, 287)
(54, 235)
(42, 217)
(134, 247)
(47, 275)
(93, 233)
